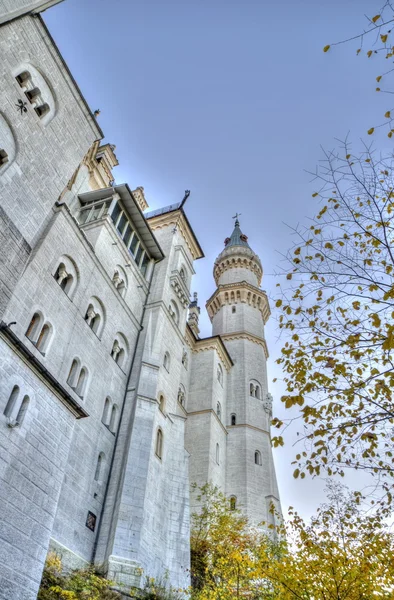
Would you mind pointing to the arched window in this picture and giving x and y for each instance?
(64, 278)
(233, 419)
(11, 404)
(99, 466)
(233, 502)
(23, 410)
(218, 410)
(255, 389)
(43, 338)
(81, 385)
(159, 443)
(72, 376)
(217, 453)
(220, 374)
(120, 280)
(162, 402)
(167, 361)
(92, 318)
(119, 349)
(113, 420)
(120, 358)
(257, 458)
(107, 406)
(34, 327)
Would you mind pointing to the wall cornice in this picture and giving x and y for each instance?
(243, 335)
(241, 292)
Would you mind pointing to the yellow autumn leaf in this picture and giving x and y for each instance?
(387, 114)
(326, 48)
(384, 38)
(278, 303)
(379, 77)
(376, 322)
(314, 195)
(370, 131)
(296, 473)
(369, 53)
(375, 18)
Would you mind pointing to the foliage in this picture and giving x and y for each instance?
(81, 584)
(338, 307)
(227, 554)
(158, 589)
(378, 39)
(342, 554)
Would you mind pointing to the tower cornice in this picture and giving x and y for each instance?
(237, 257)
(243, 335)
(233, 293)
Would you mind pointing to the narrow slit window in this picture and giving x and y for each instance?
(159, 444)
(10, 406)
(23, 410)
(99, 466)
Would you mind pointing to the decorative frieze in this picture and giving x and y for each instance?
(234, 293)
(180, 289)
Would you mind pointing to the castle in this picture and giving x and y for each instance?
(111, 404)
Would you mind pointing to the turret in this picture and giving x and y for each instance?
(194, 314)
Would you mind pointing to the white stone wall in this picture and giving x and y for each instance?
(245, 318)
(12, 9)
(33, 460)
(72, 337)
(150, 495)
(42, 157)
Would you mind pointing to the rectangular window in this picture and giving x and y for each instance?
(144, 265)
(83, 216)
(127, 235)
(133, 245)
(95, 213)
(139, 254)
(122, 222)
(116, 212)
(91, 521)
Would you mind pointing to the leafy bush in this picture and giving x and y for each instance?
(158, 589)
(80, 584)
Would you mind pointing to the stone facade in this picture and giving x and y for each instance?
(111, 404)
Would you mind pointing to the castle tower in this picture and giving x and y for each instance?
(239, 310)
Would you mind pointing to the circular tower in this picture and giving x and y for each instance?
(238, 311)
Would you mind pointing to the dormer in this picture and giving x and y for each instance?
(113, 215)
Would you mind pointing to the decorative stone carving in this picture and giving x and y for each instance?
(267, 403)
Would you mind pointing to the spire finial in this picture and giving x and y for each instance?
(236, 218)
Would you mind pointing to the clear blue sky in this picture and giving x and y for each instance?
(231, 99)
